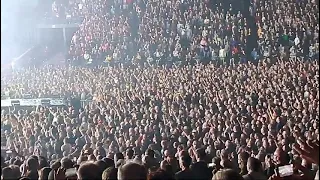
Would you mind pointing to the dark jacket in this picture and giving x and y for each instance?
(201, 171)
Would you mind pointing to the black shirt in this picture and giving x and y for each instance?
(184, 174)
(201, 171)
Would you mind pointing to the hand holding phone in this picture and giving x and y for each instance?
(284, 171)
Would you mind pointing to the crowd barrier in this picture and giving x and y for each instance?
(40, 102)
(33, 102)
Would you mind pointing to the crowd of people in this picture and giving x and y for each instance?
(192, 30)
(160, 31)
(287, 28)
(251, 112)
(168, 118)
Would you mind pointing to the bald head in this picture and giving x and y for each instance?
(132, 171)
(280, 156)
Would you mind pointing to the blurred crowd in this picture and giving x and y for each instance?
(166, 116)
(195, 30)
(160, 31)
(287, 28)
(250, 112)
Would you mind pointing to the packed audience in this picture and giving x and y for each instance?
(192, 30)
(255, 119)
(246, 118)
(287, 28)
(160, 31)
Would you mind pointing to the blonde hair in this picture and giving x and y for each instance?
(227, 174)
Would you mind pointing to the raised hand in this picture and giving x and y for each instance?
(308, 150)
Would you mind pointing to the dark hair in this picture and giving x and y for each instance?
(254, 164)
(109, 162)
(130, 153)
(169, 169)
(32, 164)
(201, 153)
(150, 153)
(244, 156)
(119, 156)
(45, 173)
(43, 162)
(7, 173)
(101, 165)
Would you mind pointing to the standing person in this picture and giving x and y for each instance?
(254, 55)
(185, 173)
(222, 56)
(255, 170)
(200, 168)
(32, 168)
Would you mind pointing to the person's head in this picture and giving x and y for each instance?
(32, 164)
(185, 161)
(110, 174)
(242, 161)
(132, 171)
(88, 171)
(243, 157)
(7, 173)
(130, 153)
(44, 173)
(102, 165)
(227, 174)
(66, 163)
(163, 164)
(109, 162)
(118, 156)
(150, 153)
(201, 154)
(55, 165)
(280, 157)
(254, 165)
(43, 162)
(15, 171)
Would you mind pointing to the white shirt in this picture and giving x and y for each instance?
(204, 33)
(86, 56)
(175, 53)
(114, 55)
(221, 53)
(292, 51)
(158, 54)
(296, 41)
(183, 32)
(179, 27)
